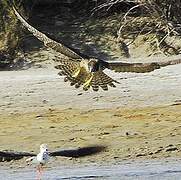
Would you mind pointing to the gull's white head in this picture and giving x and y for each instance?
(43, 148)
(42, 157)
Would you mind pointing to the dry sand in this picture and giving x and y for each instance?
(141, 118)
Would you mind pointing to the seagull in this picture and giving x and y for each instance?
(74, 153)
(41, 159)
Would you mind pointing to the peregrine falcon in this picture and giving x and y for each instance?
(85, 71)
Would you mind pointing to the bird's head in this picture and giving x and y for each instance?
(93, 65)
(44, 148)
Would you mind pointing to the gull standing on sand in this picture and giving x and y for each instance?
(44, 155)
(41, 159)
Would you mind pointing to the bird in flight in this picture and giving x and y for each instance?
(85, 71)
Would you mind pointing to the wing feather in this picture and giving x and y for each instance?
(102, 82)
(133, 67)
(69, 69)
(139, 67)
(94, 84)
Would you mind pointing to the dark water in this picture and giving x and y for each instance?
(151, 170)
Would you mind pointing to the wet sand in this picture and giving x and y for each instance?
(149, 170)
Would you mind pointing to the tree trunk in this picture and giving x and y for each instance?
(9, 34)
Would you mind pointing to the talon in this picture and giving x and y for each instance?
(76, 73)
(87, 83)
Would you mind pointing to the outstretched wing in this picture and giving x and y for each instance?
(59, 47)
(139, 67)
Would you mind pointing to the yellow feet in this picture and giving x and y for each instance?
(87, 83)
(76, 73)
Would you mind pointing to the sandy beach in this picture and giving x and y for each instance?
(138, 122)
(141, 118)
